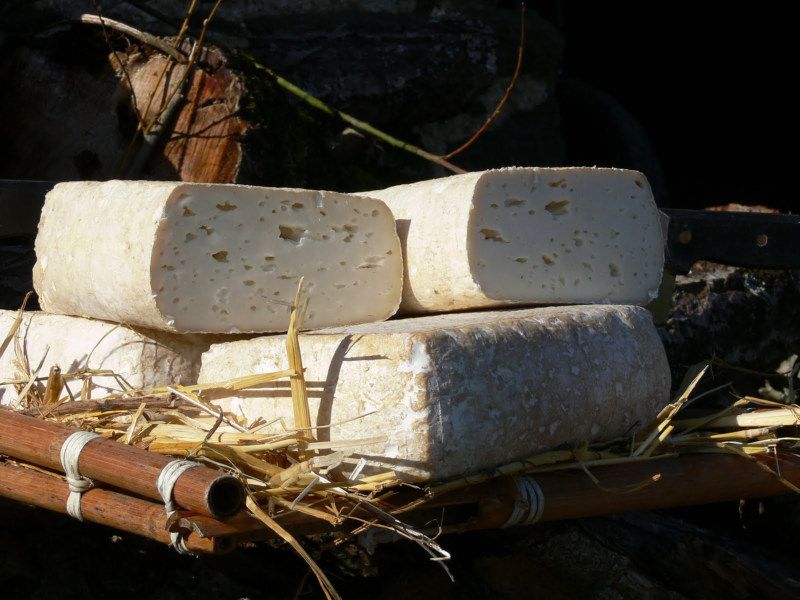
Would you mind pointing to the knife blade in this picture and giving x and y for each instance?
(739, 239)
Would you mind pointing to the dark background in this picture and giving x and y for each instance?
(709, 83)
(696, 94)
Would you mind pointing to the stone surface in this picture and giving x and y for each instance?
(142, 358)
(215, 258)
(527, 236)
(457, 393)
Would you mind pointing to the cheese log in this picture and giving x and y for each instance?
(457, 393)
(527, 236)
(142, 358)
(215, 258)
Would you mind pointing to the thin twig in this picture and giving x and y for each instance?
(154, 130)
(356, 123)
(178, 41)
(505, 97)
(193, 58)
(151, 138)
(142, 36)
(163, 116)
(184, 394)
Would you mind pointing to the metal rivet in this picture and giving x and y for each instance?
(761, 240)
(685, 236)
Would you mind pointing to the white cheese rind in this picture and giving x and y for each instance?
(528, 236)
(215, 258)
(457, 393)
(142, 358)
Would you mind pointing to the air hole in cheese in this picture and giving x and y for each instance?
(292, 234)
(557, 207)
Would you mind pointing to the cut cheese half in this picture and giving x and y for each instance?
(127, 357)
(453, 394)
(528, 236)
(215, 258)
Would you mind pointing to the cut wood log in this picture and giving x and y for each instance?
(198, 140)
(200, 489)
(76, 119)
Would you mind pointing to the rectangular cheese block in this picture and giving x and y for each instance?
(457, 393)
(215, 258)
(142, 358)
(528, 236)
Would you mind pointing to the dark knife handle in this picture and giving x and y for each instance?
(756, 240)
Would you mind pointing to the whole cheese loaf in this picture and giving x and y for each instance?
(140, 358)
(457, 393)
(214, 258)
(527, 236)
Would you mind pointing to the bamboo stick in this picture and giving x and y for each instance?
(200, 489)
(105, 507)
(645, 485)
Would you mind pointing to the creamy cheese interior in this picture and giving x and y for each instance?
(229, 258)
(565, 236)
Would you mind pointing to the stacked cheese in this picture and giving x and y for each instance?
(455, 393)
(184, 258)
(445, 394)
